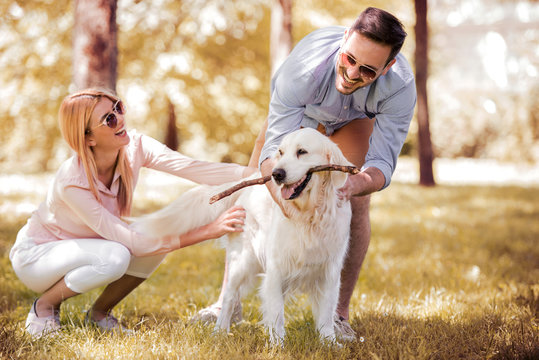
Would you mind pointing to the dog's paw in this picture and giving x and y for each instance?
(207, 315)
(275, 339)
(219, 331)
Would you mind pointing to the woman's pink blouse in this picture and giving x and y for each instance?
(71, 211)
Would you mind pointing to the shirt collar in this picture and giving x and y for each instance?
(113, 191)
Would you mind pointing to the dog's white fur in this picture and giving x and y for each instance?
(304, 251)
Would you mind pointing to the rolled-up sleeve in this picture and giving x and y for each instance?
(390, 131)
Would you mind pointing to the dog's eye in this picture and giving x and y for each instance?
(301, 152)
(280, 152)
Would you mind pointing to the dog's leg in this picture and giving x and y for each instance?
(272, 297)
(242, 267)
(231, 293)
(324, 304)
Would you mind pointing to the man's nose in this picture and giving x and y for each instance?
(353, 72)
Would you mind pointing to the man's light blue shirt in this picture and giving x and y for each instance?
(303, 94)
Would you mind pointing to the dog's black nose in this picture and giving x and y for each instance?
(278, 175)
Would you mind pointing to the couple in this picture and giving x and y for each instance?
(350, 83)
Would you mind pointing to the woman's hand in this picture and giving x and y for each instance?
(232, 220)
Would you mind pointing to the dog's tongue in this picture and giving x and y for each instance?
(288, 190)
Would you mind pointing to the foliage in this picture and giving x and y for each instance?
(34, 77)
(211, 59)
(483, 86)
(451, 273)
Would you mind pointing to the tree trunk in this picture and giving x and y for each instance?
(95, 50)
(426, 156)
(171, 136)
(281, 32)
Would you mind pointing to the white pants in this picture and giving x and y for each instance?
(85, 264)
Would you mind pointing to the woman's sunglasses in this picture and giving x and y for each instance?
(364, 71)
(110, 118)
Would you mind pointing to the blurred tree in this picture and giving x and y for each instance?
(280, 47)
(95, 51)
(483, 74)
(35, 58)
(426, 177)
(211, 59)
(281, 32)
(171, 137)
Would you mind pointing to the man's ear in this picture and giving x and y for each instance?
(386, 69)
(345, 37)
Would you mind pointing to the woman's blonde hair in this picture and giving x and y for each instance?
(74, 117)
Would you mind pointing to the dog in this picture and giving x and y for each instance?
(297, 242)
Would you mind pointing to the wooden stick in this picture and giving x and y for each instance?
(265, 179)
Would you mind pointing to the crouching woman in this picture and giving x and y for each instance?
(76, 240)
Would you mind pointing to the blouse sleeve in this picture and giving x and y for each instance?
(159, 157)
(110, 227)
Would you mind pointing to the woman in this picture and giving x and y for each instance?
(76, 240)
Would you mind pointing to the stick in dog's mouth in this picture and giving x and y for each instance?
(259, 181)
(292, 191)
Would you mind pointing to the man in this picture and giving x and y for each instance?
(354, 86)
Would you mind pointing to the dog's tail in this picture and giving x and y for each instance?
(189, 211)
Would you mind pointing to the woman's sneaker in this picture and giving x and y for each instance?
(109, 323)
(41, 326)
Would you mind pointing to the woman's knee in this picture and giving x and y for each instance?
(115, 259)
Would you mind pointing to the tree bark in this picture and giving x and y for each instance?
(426, 156)
(281, 32)
(171, 136)
(95, 50)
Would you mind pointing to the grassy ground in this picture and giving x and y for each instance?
(451, 273)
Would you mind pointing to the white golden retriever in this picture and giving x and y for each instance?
(302, 251)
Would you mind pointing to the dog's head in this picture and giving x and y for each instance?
(300, 151)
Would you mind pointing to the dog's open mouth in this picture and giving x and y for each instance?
(292, 191)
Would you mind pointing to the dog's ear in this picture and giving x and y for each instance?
(335, 156)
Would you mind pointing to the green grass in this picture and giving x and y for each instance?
(451, 273)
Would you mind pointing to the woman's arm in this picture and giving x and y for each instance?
(158, 157)
(110, 227)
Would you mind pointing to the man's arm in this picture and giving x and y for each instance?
(259, 143)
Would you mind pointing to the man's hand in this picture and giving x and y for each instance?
(364, 183)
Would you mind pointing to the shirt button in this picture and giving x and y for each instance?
(346, 107)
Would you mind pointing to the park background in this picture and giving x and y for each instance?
(211, 61)
(447, 263)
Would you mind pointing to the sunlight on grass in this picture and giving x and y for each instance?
(452, 272)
